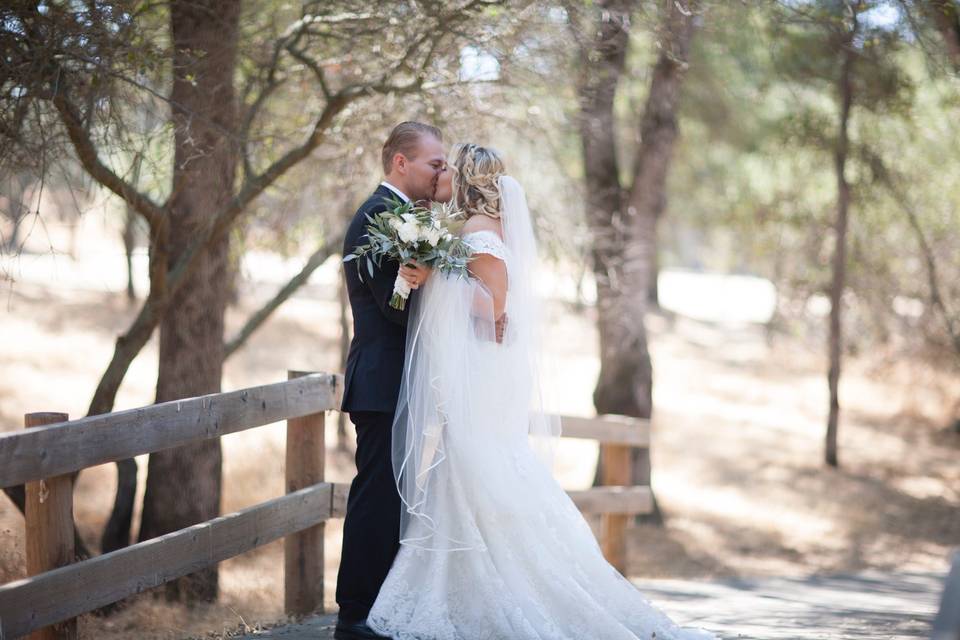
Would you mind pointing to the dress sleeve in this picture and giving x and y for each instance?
(486, 242)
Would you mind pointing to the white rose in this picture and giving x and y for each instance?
(395, 222)
(408, 217)
(433, 237)
(409, 232)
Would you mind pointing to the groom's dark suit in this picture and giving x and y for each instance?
(372, 384)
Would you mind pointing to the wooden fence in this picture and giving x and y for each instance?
(45, 455)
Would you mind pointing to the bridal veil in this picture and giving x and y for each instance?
(462, 390)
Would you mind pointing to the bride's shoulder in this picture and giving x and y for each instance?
(479, 223)
(484, 238)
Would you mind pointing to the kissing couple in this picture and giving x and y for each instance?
(455, 527)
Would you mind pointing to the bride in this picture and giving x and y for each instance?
(492, 547)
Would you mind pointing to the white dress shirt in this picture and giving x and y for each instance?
(402, 195)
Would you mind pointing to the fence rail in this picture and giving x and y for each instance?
(51, 448)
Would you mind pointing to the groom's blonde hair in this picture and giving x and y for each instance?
(403, 139)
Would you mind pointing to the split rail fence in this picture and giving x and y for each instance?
(44, 456)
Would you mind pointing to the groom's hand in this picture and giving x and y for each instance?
(414, 273)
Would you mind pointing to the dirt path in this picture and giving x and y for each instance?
(871, 605)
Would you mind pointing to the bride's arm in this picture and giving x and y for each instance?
(492, 273)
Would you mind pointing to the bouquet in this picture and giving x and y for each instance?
(406, 232)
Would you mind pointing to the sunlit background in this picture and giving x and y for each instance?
(738, 299)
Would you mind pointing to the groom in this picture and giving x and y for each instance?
(413, 158)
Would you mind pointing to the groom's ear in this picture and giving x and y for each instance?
(400, 162)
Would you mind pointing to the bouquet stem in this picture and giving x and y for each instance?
(401, 290)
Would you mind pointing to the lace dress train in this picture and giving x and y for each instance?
(541, 576)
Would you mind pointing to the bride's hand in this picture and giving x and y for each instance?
(415, 274)
(501, 327)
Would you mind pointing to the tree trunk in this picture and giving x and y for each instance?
(184, 484)
(946, 17)
(645, 205)
(604, 58)
(129, 244)
(653, 293)
(624, 241)
(840, 251)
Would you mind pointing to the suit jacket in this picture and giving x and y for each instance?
(375, 359)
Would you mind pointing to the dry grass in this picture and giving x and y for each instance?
(737, 446)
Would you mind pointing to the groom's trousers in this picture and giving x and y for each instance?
(371, 528)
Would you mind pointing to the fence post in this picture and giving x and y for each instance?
(615, 473)
(48, 513)
(303, 551)
(946, 626)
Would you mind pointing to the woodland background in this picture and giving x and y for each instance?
(749, 209)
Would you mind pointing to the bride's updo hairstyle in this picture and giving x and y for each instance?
(476, 170)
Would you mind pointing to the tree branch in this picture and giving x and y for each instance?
(289, 38)
(318, 257)
(164, 285)
(946, 17)
(315, 68)
(933, 279)
(90, 159)
(130, 343)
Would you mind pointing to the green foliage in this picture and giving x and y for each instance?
(752, 187)
(407, 232)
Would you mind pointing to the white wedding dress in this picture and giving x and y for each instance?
(492, 548)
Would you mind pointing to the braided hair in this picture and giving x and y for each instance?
(475, 175)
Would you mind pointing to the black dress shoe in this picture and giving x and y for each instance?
(354, 631)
